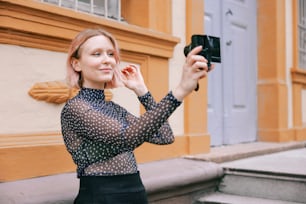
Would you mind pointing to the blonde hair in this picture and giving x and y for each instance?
(74, 78)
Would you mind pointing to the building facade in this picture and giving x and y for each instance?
(265, 43)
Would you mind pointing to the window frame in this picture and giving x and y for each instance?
(53, 28)
(79, 5)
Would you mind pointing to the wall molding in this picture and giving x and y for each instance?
(57, 92)
(45, 154)
(53, 92)
(298, 76)
(40, 25)
(30, 139)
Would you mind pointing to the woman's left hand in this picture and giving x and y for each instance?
(133, 79)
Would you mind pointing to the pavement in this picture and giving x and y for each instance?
(291, 162)
(228, 153)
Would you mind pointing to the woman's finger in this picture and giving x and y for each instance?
(134, 67)
(212, 66)
(127, 70)
(194, 59)
(195, 51)
(199, 66)
(131, 69)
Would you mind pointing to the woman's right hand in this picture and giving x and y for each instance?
(194, 69)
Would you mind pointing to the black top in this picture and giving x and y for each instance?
(101, 135)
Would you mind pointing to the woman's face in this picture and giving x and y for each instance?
(96, 62)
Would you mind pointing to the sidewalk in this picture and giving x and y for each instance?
(240, 151)
(291, 162)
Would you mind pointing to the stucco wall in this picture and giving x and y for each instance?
(21, 68)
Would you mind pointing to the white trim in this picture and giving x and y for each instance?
(289, 60)
(89, 7)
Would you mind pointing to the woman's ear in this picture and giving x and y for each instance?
(76, 65)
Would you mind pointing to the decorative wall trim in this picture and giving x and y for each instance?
(298, 76)
(52, 92)
(53, 28)
(276, 135)
(41, 158)
(57, 92)
(24, 162)
(30, 139)
(298, 84)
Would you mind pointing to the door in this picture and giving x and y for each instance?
(232, 84)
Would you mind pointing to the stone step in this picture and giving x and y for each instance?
(267, 185)
(278, 176)
(223, 198)
(166, 181)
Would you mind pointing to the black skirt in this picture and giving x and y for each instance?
(121, 189)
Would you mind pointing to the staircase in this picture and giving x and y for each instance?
(278, 178)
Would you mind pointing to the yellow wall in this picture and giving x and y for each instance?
(273, 111)
(31, 143)
(37, 149)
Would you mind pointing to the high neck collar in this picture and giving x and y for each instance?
(92, 94)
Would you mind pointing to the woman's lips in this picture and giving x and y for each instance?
(106, 69)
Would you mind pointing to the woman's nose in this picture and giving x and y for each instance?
(105, 58)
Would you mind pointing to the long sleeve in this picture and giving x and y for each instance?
(164, 134)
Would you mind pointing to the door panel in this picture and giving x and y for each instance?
(215, 96)
(237, 112)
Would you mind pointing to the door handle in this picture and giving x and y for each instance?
(229, 12)
(228, 43)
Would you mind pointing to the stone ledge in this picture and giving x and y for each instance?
(168, 179)
(163, 180)
(228, 153)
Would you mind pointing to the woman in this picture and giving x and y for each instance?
(100, 135)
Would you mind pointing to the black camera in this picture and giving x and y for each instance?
(210, 48)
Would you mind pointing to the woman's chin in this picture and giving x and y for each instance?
(106, 79)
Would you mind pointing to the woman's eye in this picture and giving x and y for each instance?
(96, 54)
(111, 54)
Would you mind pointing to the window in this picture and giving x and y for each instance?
(302, 33)
(107, 8)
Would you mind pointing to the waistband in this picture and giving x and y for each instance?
(112, 184)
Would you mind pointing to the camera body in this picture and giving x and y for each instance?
(210, 47)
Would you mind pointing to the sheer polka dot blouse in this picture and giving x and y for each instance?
(101, 135)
